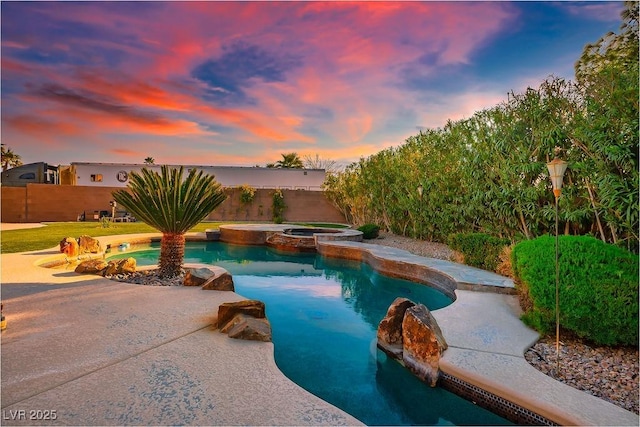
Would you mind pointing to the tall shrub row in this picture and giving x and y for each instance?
(488, 173)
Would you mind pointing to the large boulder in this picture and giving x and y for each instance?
(197, 276)
(250, 328)
(120, 266)
(89, 245)
(221, 282)
(233, 322)
(92, 266)
(210, 278)
(227, 310)
(422, 343)
(69, 246)
(390, 327)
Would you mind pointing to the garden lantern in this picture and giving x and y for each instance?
(557, 169)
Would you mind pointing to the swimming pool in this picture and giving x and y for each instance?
(324, 314)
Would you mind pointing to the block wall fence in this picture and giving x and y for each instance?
(46, 202)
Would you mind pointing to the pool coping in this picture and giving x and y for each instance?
(486, 339)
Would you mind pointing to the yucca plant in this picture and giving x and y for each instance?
(172, 205)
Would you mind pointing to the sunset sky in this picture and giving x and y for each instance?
(240, 83)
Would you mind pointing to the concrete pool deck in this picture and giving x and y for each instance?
(98, 352)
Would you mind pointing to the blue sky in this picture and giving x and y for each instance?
(240, 83)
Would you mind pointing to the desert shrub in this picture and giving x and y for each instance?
(598, 287)
(369, 231)
(105, 222)
(479, 250)
(247, 194)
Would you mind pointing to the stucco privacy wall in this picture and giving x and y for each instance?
(46, 202)
(13, 203)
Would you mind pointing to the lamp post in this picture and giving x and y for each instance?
(113, 210)
(420, 190)
(557, 169)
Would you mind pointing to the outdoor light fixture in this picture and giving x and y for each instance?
(557, 169)
(113, 209)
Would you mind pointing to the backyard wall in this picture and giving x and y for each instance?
(46, 202)
(13, 203)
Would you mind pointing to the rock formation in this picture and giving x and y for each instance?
(228, 310)
(69, 246)
(250, 328)
(120, 266)
(244, 320)
(92, 266)
(89, 245)
(390, 328)
(410, 334)
(215, 278)
(422, 344)
(221, 282)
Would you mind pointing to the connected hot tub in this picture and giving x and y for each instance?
(309, 232)
(305, 239)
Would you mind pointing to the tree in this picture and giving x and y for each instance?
(9, 158)
(317, 162)
(172, 205)
(488, 174)
(619, 51)
(607, 135)
(149, 161)
(290, 161)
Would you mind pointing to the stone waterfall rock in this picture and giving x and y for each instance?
(197, 276)
(210, 278)
(422, 344)
(390, 328)
(244, 320)
(222, 282)
(69, 246)
(250, 328)
(89, 245)
(228, 310)
(92, 266)
(120, 266)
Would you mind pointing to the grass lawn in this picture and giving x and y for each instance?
(33, 239)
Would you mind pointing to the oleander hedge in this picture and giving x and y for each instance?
(598, 287)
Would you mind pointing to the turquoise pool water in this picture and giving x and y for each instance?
(324, 314)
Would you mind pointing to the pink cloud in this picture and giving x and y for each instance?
(349, 69)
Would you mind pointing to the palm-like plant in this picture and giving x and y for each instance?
(9, 158)
(290, 161)
(172, 205)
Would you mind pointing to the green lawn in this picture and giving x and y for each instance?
(33, 239)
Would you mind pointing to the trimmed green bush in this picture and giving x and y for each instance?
(598, 287)
(480, 250)
(369, 231)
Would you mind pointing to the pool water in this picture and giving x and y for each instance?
(324, 314)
